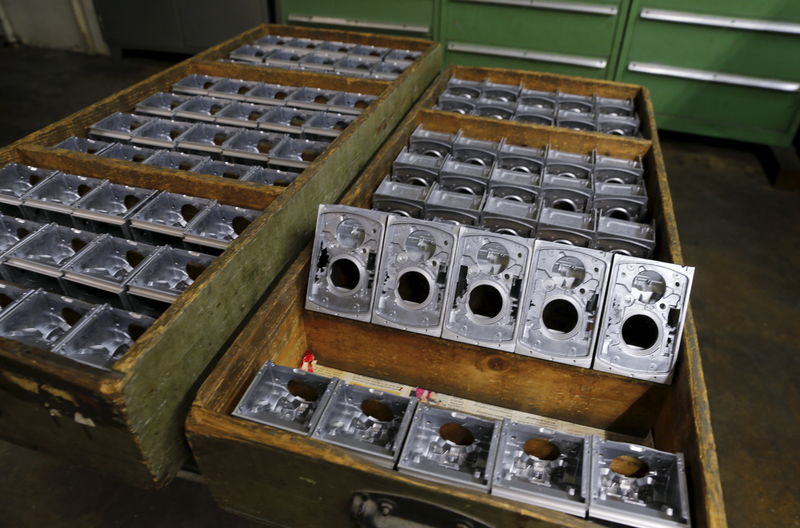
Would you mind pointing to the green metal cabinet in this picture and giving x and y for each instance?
(573, 38)
(410, 18)
(724, 68)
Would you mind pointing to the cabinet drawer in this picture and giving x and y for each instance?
(517, 59)
(680, 39)
(713, 108)
(581, 29)
(410, 17)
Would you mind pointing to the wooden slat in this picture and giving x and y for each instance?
(224, 190)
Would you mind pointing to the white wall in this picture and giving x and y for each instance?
(60, 24)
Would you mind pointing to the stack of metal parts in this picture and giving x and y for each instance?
(553, 301)
(324, 56)
(224, 127)
(517, 103)
(581, 475)
(583, 200)
(100, 206)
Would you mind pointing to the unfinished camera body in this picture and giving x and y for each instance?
(411, 286)
(487, 284)
(636, 485)
(560, 316)
(345, 257)
(42, 319)
(643, 320)
(287, 398)
(366, 420)
(450, 447)
(543, 467)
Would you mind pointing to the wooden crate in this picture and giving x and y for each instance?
(281, 477)
(129, 421)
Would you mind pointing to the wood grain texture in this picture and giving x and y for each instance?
(149, 389)
(244, 463)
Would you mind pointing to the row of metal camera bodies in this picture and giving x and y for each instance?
(552, 301)
(571, 473)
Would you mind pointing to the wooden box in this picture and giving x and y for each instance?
(288, 479)
(129, 421)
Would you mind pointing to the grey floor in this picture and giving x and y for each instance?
(741, 234)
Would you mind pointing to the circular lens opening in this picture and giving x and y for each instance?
(485, 301)
(457, 434)
(619, 214)
(564, 205)
(302, 390)
(413, 287)
(377, 409)
(560, 316)
(345, 274)
(541, 448)
(629, 466)
(640, 332)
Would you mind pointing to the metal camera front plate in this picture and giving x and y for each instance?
(103, 336)
(403, 199)
(463, 177)
(638, 486)
(108, 263)
(615, 107)
(560, 316)
(463, 88)
(248, 53)
(350, 103)
(286, 119)
(159, 133)
(505, 93)
(475, 151)
(296, 153)
(286, 398)
(222, 169)
(538, 99)
(57, 195)
(236, 89)
(195, 84)
(494, 109)
(388, 70)
(79, 144)
(327, 124)
(50, 248)
(266, 176)
(204, 137)
(643, 319)
(110, 203)
(566, 227)
(252, 145)
(615, 170)
(272, 94)
(411, 284)
(201, 108)
(175, 160)
(13, 230)
(450, 447)
(118, 125)
(458, 105)
(320, 61)
(487, 284)
(219, 225)
(167, 273)
(567, 193)
(515, 185)
(453, 207)
(17, 179)
(569, 164)
(620, 200)
(430, 143)
(242, 114)
(625, 237)
(417, 169)
(576, 121)
(169, 213)
(344, 261)
(618, 125)
(520, 159)
(543, 467)
(311, 98)
(42, 319)
(125, 152)
(371, 422)
(10, 295)
(509, 217)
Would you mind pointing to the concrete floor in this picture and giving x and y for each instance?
(741, 234)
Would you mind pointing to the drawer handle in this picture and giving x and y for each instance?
(751, 24)
(542, 56)
(711, 76)
(351, 22)
(592, 9)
